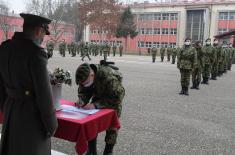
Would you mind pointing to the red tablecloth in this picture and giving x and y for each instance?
(85, 129)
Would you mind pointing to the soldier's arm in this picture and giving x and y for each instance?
(83, 97)
(3, 94)
(42, 91)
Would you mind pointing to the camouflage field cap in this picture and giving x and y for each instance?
(82, 73)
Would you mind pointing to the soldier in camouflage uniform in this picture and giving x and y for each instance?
(226, 58)
(216, 51)
(50, 48)
(106, 49)
(162, 53)
(208, 61)
(62, 48)
(154, 53)
(187, 58)
(69, 48)
(100, 87)
(221, 59)
(231, 56)
(114, 48)
(73, 49)
(197, 68)
(120, 49)
(85, 52)
(169, 52)
(174, 54)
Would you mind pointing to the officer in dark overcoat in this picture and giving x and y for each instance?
(25, 91)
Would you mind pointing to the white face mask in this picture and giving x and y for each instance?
(187, 43)
(89, 83)
(215, 42)
(208, 42)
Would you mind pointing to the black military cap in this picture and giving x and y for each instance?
(31, 20)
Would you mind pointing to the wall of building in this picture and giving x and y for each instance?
(15, 24)
(213, 25)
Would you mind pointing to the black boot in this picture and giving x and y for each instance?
(207, 81)
(193, 86)
(186, 91)
(197, 85)
(203, 81)
(182, 91)
(92, 147)
(108, 149)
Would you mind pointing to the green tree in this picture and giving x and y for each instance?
(127, 26)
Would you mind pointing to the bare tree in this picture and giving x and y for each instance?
(5, 20)
(53, 9)
(102, 15)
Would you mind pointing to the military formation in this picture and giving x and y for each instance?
(203, 63)
(84, 49)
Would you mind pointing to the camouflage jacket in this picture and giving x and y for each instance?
(107, 90)
(169, 51)
(208, 54)
(62, 47)
(50, 46)
(154, 51)
(162, 50)
(174, 52)
(200, 61)
(216, 53)
(187, 58)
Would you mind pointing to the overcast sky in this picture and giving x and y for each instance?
(19, 5)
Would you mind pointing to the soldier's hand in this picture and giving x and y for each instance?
(89, 106)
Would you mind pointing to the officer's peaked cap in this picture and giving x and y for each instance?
(31, 20)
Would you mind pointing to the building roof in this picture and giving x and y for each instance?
(226, 34)
(147, 4)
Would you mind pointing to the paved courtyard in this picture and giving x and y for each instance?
(155, 119)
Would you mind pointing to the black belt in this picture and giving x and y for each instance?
(19, 93)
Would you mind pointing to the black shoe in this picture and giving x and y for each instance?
(92, 150)
(186, 92)
(181, 92)
(108, 150)
(213, 78)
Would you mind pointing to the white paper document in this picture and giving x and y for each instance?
(76, 109)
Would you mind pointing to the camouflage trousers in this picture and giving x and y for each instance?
(162, 58)
(225, 67)
(168, 57)
(214, 70)
(173, 59)
(153, 58)
(206, 71)
(185, 77)
(220, 67)
(87, 55)
(196, 75)
(120, 53)
(114, 53)
(230, 64)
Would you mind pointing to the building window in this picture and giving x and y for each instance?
(164, 44)
(172, 44)
(157, 44)
(119, 43)
(157, 16)
(164, 31)
(140, 44)
(232, 15)
(174, 31)
(174, 16)
(165, 16)
(157, 31)
(142, 31)
(149, 31)
(143, 17)
(223, 15)
(148, 44)
(221, 31)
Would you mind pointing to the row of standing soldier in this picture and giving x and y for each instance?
(85, 49)
(171, 52)
(208, 61)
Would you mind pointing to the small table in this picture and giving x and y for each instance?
(85, 128)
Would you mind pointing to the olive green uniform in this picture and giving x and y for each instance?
(154, 53)
(162, 53)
